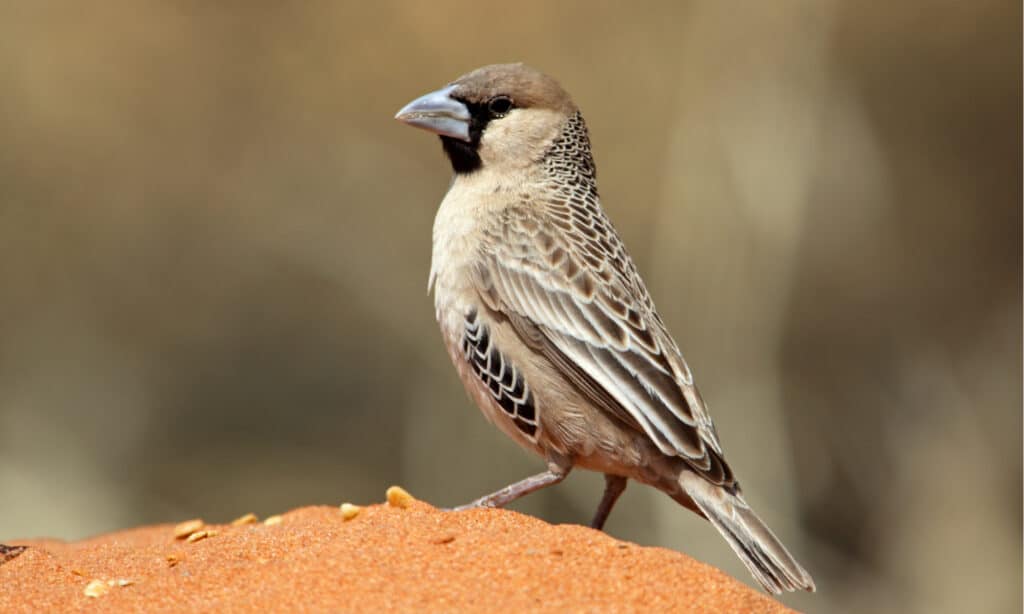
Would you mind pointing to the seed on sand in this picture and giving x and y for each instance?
(184, 529)
(96, 588)
(199, 535)
(249, 518)
(399, 497)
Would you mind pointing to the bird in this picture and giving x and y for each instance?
(548, 323)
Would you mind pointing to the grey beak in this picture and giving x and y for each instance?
(439, 113)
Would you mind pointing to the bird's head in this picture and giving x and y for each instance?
(498, 117)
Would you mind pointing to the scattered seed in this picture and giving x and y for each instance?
(349, 511)
(272, 520)
(249, 518)
(184, 529)
(125, 582)
(447, 539)
(399, 497)
(78, 572)
(198, 535)
(172, 560)
(96, 588)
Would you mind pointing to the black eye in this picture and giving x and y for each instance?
(499, 106)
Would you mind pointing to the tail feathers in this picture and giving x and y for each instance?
(763, 554)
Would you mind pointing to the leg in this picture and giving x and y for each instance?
(555, 474)
(614, 485)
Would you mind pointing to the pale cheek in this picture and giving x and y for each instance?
(518, 139)
(502, 142)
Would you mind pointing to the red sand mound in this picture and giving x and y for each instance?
(386, 558)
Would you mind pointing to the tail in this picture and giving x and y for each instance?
(763, 554)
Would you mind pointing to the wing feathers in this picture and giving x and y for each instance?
(576, 297)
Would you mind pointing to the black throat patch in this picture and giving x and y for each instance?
(465, 157)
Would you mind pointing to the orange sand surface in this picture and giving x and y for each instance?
(386, 558)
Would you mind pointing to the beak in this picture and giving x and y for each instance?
(439, 113)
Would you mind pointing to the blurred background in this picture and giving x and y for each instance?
(214, 246)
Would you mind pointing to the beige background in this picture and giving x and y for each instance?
(214, 246)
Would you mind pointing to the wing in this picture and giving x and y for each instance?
(559, 272)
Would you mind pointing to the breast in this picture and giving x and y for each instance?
(456, 242)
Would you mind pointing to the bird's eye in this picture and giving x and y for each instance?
(499, 106)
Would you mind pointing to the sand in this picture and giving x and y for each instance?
(384, 558)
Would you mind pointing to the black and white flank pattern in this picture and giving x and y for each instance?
(503, 379)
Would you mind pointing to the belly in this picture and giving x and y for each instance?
(567, 425)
